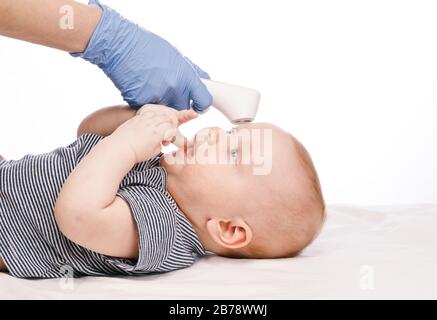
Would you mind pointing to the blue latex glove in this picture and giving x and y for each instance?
(143, 66)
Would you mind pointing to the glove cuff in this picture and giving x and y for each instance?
(111, 33)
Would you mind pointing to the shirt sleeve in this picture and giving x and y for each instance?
(156, 222)
(87, 141)
(143, 189)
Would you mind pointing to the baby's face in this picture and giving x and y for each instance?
(251, 176)
(226, 169)
(224, 160)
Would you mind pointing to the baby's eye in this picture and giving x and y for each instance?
(234, 149)
(234, 155)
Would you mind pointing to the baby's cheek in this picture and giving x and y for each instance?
(206, 175)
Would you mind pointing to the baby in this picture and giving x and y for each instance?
(111, 203)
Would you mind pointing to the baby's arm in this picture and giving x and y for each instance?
(104, 121)
(87, 210)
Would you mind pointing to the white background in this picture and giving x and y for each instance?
(355, 81)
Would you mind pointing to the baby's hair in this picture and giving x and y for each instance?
(308, 165)
(317, 196)
(298, 218)
(306, 213)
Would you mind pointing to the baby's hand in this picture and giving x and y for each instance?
(152, 127)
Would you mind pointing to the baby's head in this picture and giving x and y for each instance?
(252, 192)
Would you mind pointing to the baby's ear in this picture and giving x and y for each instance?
(233, 233)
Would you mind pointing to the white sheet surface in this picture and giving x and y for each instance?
(363, 252)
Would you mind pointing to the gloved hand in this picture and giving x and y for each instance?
(143, 66)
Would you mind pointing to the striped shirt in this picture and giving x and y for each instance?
(32, 246)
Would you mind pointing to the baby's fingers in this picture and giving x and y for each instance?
(185, 116)
(175, 137)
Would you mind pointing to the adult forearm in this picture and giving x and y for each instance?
(62, 24)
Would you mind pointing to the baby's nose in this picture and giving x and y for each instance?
(213, 135)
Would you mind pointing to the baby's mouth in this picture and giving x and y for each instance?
(188, 150)
(190, 146)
